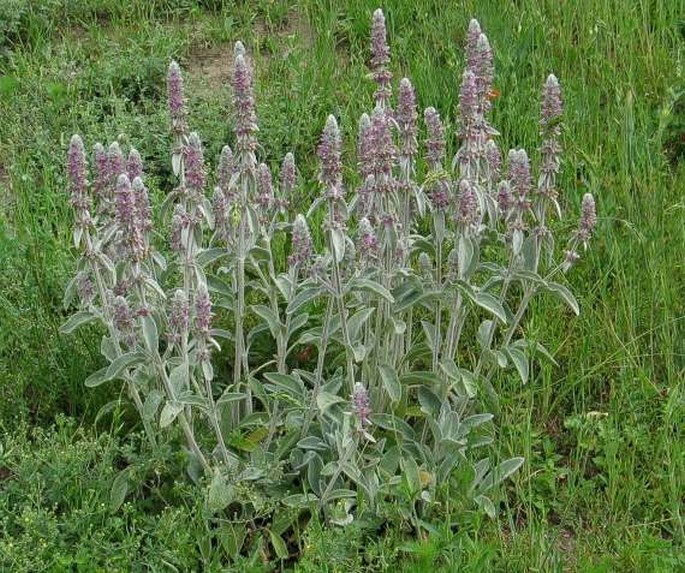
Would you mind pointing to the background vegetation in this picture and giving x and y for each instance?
(603, 486)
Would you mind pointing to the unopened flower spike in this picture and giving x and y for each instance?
(435, 143)
(194, 162)
(176, 99)
(134, 165)
(302, 249)
(330, 157)
(380, 58)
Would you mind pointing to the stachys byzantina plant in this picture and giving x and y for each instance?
(388, 408)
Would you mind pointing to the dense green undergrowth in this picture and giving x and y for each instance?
(602, 488)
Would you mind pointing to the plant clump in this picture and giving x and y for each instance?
(407, 308)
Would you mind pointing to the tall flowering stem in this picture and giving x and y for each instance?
(96, 261)
(246, 174)
(330, 157)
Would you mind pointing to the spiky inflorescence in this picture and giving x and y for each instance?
(179, 223)
(78, 184)
(380, 58)
(243, 102)
(102, 189)
(142, 200)
(519, 174)
(467, 206)
(361, 405)
(128, 220)
(85, 288)
(493, 159)
(265, 188)
(484, 71)
(435, 142)
(407, 118)
(330, 156)
(288, 176)
(368, 242)
(302, 248)
(468, 104)
(550, 129)
(471, 44)
(225, 169)
(203, 312)
(383, 150)
(124, 323)
(194, 164)
(176, 99)
(116, 164)
(588, 219)
(134, 165)
(552, 105)
(179, 317)
(364, 147)
(505, 200)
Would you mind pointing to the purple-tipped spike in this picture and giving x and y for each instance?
(435, 143)
(176, 99)
(194, 162)
(407, 118)
(330, 155)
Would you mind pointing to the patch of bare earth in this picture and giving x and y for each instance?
(210, 67)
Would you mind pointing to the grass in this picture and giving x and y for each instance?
(603, 487)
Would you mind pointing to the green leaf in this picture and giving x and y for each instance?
(564, 294)
(411, 474)
(97, 378)
(76, 320)
(306, 295)
(178, 378)
(169, 413)
(117, 494)
(391, 382)
(229, 397)
(279, 545)
(151, 404)
(324, 400)
(390, 422)
(150, 334)
(121, 363)
(270, 317)
(491, 304)
(430, 403)
(419, 377)
(208, 256)
(520, 360)
(485, 503)
(357, 320)
(108, 348)
(431, 334)
(501, 472)
(312, 443)
(338, 242)
(220, 494)
(372, 286)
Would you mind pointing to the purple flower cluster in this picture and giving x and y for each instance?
(203, 312)
(134, 165)
(361, 405)
(407, 118)
(124, 322)
(176, 100)
(243, 101)
(435, 142)
(380, 58)
(302, 248)
(194, 164)
(265, 189)
(129, 220)
(330, 156)
(78, 183)
(179, 317)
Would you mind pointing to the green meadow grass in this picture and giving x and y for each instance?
(603, 486)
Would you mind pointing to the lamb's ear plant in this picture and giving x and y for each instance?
(389, 409)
